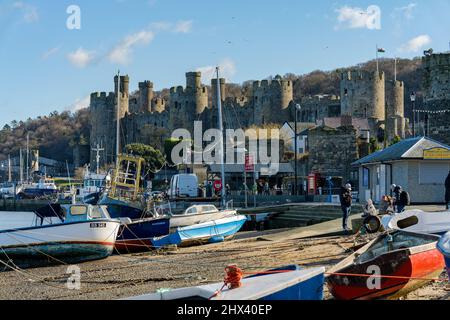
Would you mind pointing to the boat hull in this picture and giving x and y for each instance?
(413, 268)
(202, 233)
(136, 236)
(58, 243)
(122, 209)
(303, 284)
(444, 247)
(180, 221)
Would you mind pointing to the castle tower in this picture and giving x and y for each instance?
(124, 94)
(102, 120)
(158, 105)
(272, 99)
(395, 92)
(196, 93)
(363, 94)
(145, 96)
(436, 69)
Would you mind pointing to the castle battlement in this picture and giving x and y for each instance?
(362, 75)
(436, 60)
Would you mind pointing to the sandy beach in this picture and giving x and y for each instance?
(126, 275)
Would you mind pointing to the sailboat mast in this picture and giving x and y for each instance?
(21, 166)
(28, 154)
(9, 169)
(118, 118)
(222, 164)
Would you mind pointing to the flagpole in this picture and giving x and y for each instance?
(378, 69)
(395, 69)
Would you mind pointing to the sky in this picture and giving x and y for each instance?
(53, 54)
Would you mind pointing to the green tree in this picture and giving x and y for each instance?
(396, 139)
(154, 159)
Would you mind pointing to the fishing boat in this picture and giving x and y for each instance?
(80, 233)
(444, 247)
(207, 232)
(45, 187)
(93, 185)
(286, 284)
(390, 266)
(199, 214)
(419, 221)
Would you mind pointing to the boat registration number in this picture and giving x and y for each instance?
(95, 225)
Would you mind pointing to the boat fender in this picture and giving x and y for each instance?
(372, 224)
(216, 239)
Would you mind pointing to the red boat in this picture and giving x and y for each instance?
(388, 267)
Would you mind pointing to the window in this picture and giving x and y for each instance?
(366, 177)
(78, 210)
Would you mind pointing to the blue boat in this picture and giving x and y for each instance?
(136, 235)
(444, 247)
(207, 232)
(287, 284)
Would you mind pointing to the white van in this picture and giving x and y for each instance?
(183, 185)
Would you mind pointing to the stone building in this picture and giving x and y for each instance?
(436, 85)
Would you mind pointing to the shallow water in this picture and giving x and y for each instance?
(10, 220)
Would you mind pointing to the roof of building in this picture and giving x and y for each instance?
(301, 126)
(412, 148)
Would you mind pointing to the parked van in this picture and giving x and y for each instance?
(183, 185)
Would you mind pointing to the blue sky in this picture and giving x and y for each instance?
(48, 67)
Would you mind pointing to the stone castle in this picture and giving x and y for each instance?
(363, 95)
(435, 114)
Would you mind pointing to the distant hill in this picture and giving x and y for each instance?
(54, 135)
(57, 133)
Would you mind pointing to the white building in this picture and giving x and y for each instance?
(420, 165)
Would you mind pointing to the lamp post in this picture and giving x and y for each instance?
(297, 109)
(413, 102)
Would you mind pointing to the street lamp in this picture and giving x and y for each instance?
(413, 100)
(297, 109)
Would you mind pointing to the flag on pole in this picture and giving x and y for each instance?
(381, 50)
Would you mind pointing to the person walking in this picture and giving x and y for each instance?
(447, 191)
(403, 201)
(346, 204)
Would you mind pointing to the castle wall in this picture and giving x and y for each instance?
(437, 95)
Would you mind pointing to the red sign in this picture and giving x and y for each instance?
(249, 163)
(217, 185)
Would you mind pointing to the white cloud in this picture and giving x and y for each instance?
(81, 58)
(227, 70)
(415, 44)
(406, 11)
(121, 54)
(355, 17)
(184, 26)
(30, 13)
(79, 104)
(50, 52)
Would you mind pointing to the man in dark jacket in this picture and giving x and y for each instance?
(346, 204)
(403, 200)
(447, 191)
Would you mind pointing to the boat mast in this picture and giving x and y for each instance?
(118, 119)
(222, 164)
(28, 153)
(97, 157)
(9, 168)
(21, 166)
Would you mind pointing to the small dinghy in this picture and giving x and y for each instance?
(81, 233)
(419, 221)
(390, 266)
(282, 284)
(212, 231)
(444, 247)
(198, 214)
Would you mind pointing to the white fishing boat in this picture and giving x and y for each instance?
(199, 214)
(299, 284)
(419, 221)
(81, 233)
